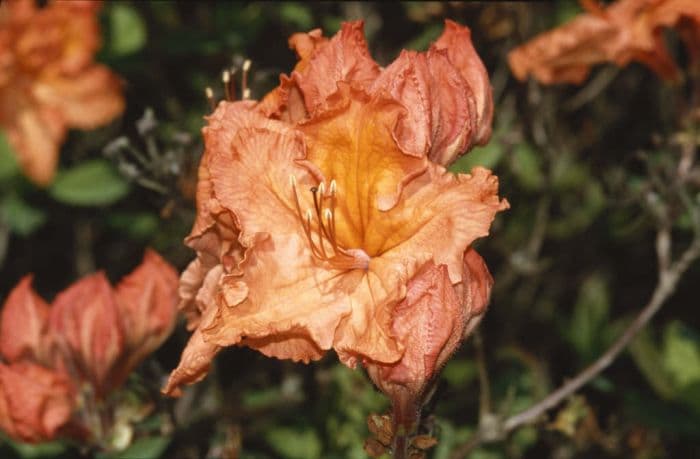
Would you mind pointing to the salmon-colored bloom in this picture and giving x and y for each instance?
(48, 80)
(84, 345)
(626, 31)
(447, 88)
(318, 208)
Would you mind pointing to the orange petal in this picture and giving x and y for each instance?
(441, 114)
(429, 322)
(85, 321)
(344, 57)
(87, 100)
(352, 143)
(35, 403)
(456, 41)
(146, 299)
(24, 324)
(475, 288)
(195, 361)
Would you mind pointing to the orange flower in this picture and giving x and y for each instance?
(48, 80)
(446, 89)
(626, 31)
(311, 227)
(92, 336)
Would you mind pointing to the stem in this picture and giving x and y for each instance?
(405, 415)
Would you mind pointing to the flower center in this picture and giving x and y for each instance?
(320, 228)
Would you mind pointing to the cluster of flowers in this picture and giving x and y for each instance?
(61, 362)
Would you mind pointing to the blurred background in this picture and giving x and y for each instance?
(583, 167)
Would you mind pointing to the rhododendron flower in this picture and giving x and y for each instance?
(323, 206)
(48, 80)
(84, 345)
(626, 31)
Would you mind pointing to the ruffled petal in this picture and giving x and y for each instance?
(24, 324)
(345, 57)
(35, 403)
(86, 324)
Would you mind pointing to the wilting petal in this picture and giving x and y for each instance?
(456, 41)
(146, 299)
(344, 57)
(475, 289)
(24, 324)
(85, 321)
(34, 402)
(430, 323)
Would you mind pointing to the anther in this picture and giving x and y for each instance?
(333, 187)
(244, 79)
(293, 181)
(210, 97)
(309, 215)
(321, 189)
(246, 94)
(226, 79)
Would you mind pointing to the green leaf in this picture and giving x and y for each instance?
(294, 443)
(296, 14)
(591, 313)
(527, 167)
(487, 156)
(423, 41)
(22, 218)
(91, 183)
(137, 225)
(8, 160)
(128, 30)
(648, 358)
(459, 372)
(38, 451)
(681, 354)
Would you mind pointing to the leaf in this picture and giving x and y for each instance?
(38, 451)
(22, 218)
(128, 30)
(487, 156)
(527, 167)
(137, 225)
(91, 183)
(681, 354)
(294, 443)
(8, 160)
(590, 317)
(648, 358)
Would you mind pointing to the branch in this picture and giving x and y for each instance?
(669, 275)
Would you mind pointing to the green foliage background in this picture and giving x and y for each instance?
(573, 259)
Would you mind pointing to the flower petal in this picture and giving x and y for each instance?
(87, 100)
(35, 403)
(456, 41)
(85, 321)
(24, 325)
(146, 300)
(429, 322)
(345, 57)
(441, 116)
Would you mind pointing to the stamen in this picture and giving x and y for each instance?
(322, 190)
(226, 79)
(209, 93)
(244, 78)
(333, 187)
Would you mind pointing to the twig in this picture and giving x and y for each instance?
(669, 275)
